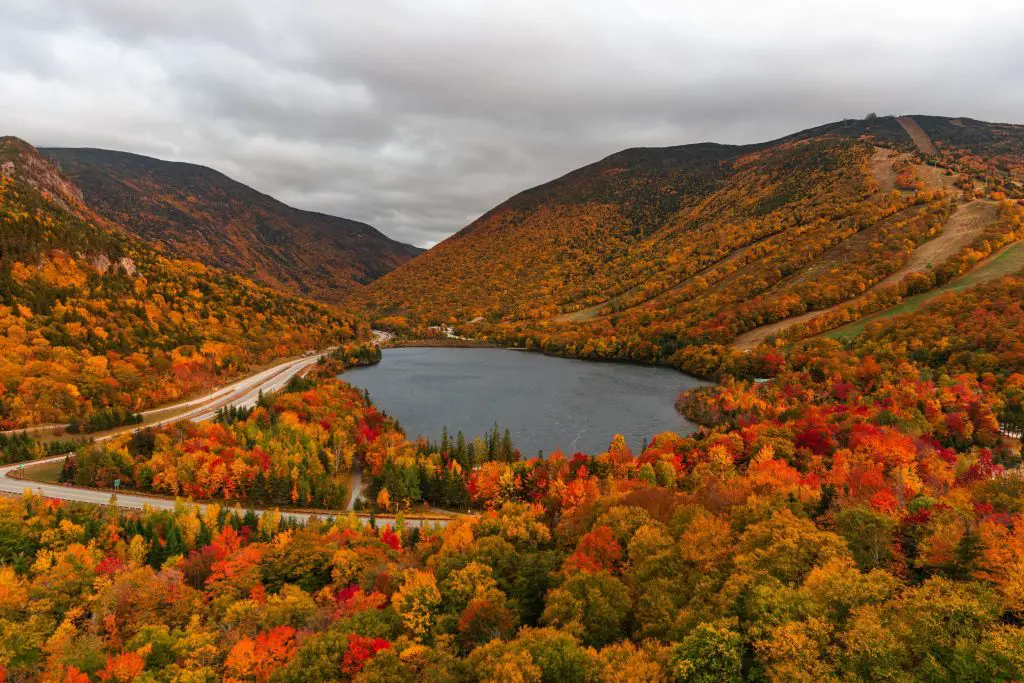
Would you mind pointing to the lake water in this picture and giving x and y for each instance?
(547, 403)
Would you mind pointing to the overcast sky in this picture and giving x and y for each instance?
(418, 116)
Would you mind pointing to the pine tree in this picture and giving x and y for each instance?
(968, 550)
(507, 452)
(460, 447)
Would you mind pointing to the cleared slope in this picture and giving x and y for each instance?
(1007, 261)
(917, 134)
(202, 214)
(966, 224)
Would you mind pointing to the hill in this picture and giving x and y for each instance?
(201, 214)
(650, 254)
(94, 319)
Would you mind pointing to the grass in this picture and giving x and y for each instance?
(1009, 261)
(47, 472)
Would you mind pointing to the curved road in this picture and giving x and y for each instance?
(241, 394)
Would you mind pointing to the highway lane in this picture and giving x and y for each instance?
(241, 394)
(224, 395)
(10, 484)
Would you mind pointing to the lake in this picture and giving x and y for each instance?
(547, 403)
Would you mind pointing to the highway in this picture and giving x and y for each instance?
(241, 394)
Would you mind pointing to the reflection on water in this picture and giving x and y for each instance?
(546, 402)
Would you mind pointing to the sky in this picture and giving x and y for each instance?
(416, 117)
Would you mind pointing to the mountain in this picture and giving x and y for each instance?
(651, 253)
(201, 214)
(94, 319)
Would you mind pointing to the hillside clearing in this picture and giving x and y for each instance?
(1007, 261)
(959, 231)
(917, 134)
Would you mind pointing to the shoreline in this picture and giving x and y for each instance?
(443, 343)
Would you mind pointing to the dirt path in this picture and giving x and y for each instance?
(880, 165)
(356, 484)
(959, 231)
(917, 134)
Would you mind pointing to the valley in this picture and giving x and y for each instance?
(847, 471)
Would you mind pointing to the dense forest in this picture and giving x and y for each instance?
(854, 518)
(94, 321)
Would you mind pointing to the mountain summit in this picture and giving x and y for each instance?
(200, 213)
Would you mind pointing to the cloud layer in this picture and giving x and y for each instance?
(418, 116)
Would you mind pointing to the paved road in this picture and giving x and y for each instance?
(356, 483)
(241, 394)
(380, 337)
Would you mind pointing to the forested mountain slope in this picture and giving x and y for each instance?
(92, 318)
(652, 254)
(201, 214)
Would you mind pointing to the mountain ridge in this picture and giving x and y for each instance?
(199, 212)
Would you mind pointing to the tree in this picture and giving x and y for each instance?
(869, 535)
(713, 653)
(257, 658)
(384, 500)
(416, 601)
(594, 605)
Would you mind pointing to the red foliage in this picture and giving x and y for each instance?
(390, 538)
(361, 650)
(109, 565)
(597, 550)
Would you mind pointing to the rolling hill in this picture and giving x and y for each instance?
(95, 319)
(201, 214)
(674, 255)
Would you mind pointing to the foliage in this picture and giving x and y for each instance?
(296, 448)
(95, 324)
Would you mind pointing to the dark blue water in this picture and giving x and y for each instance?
(547, 403)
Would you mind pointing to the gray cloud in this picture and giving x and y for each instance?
(417, 116)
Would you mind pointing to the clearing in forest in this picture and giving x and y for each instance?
(917, 134)
(959, 231)
(1007, 261)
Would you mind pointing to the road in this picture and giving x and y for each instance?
(380, 337)
(10, 484)
(241, 394)
(357, 485)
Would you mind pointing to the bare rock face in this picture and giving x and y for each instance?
(7, 169)
(38, 172)
(128, 266)
(100, 263)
